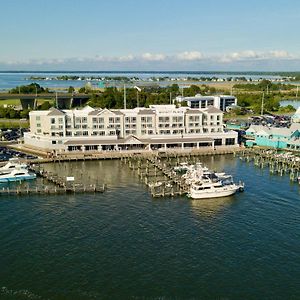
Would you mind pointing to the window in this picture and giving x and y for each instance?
(53, 142)
(85, 133)
(84, 119)
(111, 120)
(95, 120)
(39, 131)
(38, 118)
(52, 120)
(60, 120)
(101, 120)
(38, 125)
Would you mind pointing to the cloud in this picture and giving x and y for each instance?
(186, 60)
(254, 55)
(153, 57)
(190, 55)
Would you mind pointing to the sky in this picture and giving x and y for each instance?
(139, 35)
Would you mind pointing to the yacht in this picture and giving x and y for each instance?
(208, 188)
(16, 175)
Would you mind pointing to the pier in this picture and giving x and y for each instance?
(278, 163)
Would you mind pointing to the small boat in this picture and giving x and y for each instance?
(182, 167)
(16, 175)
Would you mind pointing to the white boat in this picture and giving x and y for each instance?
(13, 164)
(182, 167)
(16, 175)
(213, 189)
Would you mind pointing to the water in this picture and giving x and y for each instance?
(9, 80)
(123, 244)
(294, 103)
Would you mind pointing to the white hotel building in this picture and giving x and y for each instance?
(158, 127)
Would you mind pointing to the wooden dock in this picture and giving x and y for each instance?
(278, 163)
(159, 176)
(21, 191)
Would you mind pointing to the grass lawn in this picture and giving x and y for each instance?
(13, 123)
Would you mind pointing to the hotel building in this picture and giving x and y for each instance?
(157, 127)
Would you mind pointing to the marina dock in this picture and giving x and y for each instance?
(279, 163)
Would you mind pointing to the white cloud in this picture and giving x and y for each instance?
(183, 60)
(190, 55)
(153, 57)
(254, 55)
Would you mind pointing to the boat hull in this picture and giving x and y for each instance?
(17, 178)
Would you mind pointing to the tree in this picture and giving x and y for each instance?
(71, 89)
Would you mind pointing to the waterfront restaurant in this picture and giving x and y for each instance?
(159, 127)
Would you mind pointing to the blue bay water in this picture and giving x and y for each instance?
(123, 244)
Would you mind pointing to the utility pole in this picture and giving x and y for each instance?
(124, 96)
(262, 104)
(170, 97)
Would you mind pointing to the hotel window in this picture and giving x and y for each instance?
(102, 133)
(52, 120)
(60, 120)
(38, 125)
(117, 120)
(143, 119)
(68, 133)
(111, 120)
(149, 119)
(39, 131)
(53, 142)
(84, 126)
(112, 132)
(38, 118)
(84, 119)
(95, 120)
(101, 120)
(85, 133)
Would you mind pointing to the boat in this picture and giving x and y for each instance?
(208, 188)
(13, 164)
(182, 167)
(16, 175)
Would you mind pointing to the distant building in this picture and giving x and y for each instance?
(157, 127)
(221, 102)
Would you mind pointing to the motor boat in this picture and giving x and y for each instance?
(16, 175)
(13, 164)
(208, 188)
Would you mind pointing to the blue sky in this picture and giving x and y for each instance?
(149, 35)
